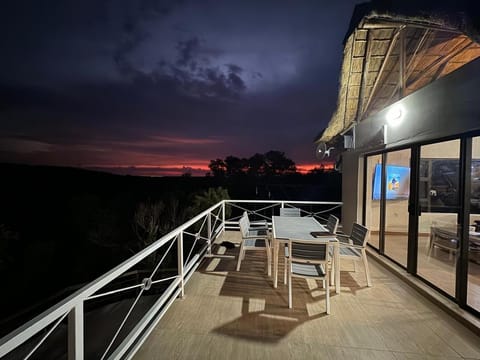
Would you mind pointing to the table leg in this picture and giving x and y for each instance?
(275, 263)
(336, 251)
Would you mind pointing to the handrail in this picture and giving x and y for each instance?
(73, 304)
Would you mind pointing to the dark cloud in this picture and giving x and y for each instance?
(186, 52)
(90, 82)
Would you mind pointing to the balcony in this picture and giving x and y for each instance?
(228, 314)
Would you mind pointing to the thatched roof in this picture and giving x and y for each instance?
(437, 40)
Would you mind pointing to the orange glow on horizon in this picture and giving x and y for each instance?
(195, 167)
(305, 168)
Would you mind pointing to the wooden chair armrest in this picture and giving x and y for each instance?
(343, 238)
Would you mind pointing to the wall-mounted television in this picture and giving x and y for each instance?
(398, 182)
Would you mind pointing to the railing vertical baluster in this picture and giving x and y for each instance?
(209, 230)
(180, 262)
(223, 215)
(75, 332)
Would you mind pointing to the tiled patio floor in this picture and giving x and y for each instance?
(238, 315)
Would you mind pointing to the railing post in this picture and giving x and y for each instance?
(223, 215)
(180, 262)
(209, 230)
(75, 332)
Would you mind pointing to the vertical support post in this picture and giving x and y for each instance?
(209, 231)
(383, 205)
(180, 263)
(223, 215)
(413, 210)
(465, 182)
(402, 63)
(75, 333)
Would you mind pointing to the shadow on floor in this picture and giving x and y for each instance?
(265, 313)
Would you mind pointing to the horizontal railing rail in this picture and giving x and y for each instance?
(193, 241)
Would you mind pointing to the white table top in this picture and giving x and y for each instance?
(296, 227)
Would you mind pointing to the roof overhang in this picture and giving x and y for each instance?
(389, 55)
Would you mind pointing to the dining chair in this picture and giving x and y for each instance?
(290, 212)
(353, 247)
(308, 260)
(253, 239)
(257, 224)
(332, 225)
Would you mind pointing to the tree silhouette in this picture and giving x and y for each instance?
(235, 166)
(278, 164)
(269, 164)
(208, 198)
(218, 167)
(257, 165)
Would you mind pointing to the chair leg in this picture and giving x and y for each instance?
(240, 256)
(269, 260)
(332, 271)
(367, 270)
(327, 293)
(289, 285)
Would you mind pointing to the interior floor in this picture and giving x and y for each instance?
(437, 266)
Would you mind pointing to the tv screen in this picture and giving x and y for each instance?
(398, 182)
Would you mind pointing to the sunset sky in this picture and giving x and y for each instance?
(161, 87)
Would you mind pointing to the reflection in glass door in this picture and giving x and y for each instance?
(473, 282)
(438, 228)
(372, 198)
(397, 177)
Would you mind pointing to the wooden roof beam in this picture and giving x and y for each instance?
(444, 59)
(380, 71)
(365, 68)
(414, 59)
(386, 23)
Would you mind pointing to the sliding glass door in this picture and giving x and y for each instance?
(397, 190)
(473, 262)
(444, 202)
(386, 203)
(438, 224)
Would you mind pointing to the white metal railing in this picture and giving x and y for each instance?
(201, 232)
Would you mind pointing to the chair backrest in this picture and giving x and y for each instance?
(245, 215)
(289, 212)
(332, 224)
(244, 225)
(314, 251)
(359, 235)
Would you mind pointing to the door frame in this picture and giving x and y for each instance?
(464, 188)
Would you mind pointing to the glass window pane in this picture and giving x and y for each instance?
(473, 283)
(438, 229)
(396, 205)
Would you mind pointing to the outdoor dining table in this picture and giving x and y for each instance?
(285, 228)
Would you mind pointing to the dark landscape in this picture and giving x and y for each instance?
(60, 228)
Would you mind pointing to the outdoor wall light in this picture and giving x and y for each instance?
(395, 115)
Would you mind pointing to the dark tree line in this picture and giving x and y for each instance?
(271, 163)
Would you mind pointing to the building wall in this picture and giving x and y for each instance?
(352, 190)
